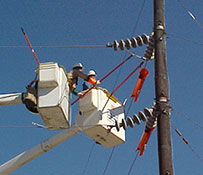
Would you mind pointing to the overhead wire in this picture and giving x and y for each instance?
(139, 15)
(138, 18)
(104, 77)
(109, 160)
(76, 46)
(57, 47)
(88, 159)
(129, 107)
(19, 127)
(187, 118)
(184, 39)
(191, 15)
(139, 66)
(131, 167)
(36, 125)
(187, 143)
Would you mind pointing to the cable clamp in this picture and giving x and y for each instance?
(162, 100)
(160, 27)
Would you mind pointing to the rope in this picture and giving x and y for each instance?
(133, 163)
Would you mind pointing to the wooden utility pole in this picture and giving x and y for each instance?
(161, 92)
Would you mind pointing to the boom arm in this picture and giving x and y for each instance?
(37, 150)
(11, 99)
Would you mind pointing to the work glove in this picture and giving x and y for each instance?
(97, 82)
(80, 94)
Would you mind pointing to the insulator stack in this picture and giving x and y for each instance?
(151, 120)
(131, 121)
(133, 42)
(146, 116)
(149, 52)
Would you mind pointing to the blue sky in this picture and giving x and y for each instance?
(68, 23)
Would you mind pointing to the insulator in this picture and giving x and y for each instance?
(152, 57)
(136, 119)
(124, 124)
(142, 116)
(134, 42)
(115, 45)
(130, 122)
(124, 102)
(148, 112)
(128, 44)
(145, 38)
(117, 125)
(140, 41)
(149, 125)
(109, 44)
(149, 52)
(152, 120)
(122, 44)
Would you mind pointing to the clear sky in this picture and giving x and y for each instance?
(69, 23)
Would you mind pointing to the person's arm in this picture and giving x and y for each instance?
(84, 77)
(75, 92)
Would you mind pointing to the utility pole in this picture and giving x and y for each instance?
(161, 92)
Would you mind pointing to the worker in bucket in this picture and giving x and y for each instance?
(73, 75)
(91, 74)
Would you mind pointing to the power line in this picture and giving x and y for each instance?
(191, 15)
(19, 127)
(108, 162)
(88, 159)
(187, 143)
(133, 163)
(187, 118)
(57, 47)
(184, 39)
(44, 127)
(138, 18)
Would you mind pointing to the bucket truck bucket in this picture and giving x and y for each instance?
(98, 112)
(53, 96)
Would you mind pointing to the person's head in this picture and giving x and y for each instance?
(92, 74)
(78, 66)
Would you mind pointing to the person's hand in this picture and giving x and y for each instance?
(97, 82)
(80, 94)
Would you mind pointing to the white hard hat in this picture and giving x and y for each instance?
(91, 72)
(78, 65)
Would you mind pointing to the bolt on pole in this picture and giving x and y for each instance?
(162, 92)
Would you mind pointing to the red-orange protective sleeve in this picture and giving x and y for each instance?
(143, 141)
(140, 81)
(91, 81)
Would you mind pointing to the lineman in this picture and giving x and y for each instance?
(73, 78)
(91, 74)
